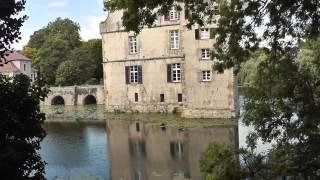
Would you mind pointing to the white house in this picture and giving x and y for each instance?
(17, 64)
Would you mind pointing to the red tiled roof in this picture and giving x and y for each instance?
(16, 56)
(8, 67)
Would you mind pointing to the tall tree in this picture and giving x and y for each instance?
(10, 24)
(52, 45)
(20, 128)
(94, 49)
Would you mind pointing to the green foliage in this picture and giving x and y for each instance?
(59, 42)
(281, 23)
(282, 104)
(219, 162)
(249, 69)
(85, 61)
(53, 52)
(32, 53)
(10, 23)
(68, 73)
(20, 128)
(94, 50)
(282, 94)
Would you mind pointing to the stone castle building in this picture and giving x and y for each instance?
(165, 68)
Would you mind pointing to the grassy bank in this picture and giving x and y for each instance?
(171, 120)
(96, 114)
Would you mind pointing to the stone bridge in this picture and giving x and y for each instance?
(75, 95)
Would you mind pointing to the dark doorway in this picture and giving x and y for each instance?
(57, 100)
(89, 100)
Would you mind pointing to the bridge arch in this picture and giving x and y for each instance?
(57, 100)
(89, 99)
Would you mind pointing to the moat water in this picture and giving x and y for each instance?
(126, 150)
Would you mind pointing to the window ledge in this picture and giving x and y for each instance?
(175, 82)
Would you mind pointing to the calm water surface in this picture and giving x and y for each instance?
(127, 150)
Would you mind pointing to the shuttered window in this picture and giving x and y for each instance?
(133, 74)
(174, 72)
(204, 33)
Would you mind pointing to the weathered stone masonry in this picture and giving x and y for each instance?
(75, 95)
(153, 50)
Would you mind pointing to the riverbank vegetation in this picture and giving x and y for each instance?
(97, 114)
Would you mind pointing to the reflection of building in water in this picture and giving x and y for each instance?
(147, 152)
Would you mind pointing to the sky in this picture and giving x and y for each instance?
(88, 13)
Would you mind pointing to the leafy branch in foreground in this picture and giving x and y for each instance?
(10, 24)
(20, 128)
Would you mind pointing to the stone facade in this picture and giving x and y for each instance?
(195, 94)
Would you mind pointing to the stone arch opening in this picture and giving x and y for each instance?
(90, 99)
(57, 100)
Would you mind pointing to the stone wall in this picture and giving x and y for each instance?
(75, 95)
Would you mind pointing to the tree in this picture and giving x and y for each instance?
(219, 162)
(282, 98)
(86, 59)
(20, 128)
(59, 42)
(10, 24)
(94, 49)
(282, 23)
(50, 56)
(68, 74)
(32, 53)
(51, 45)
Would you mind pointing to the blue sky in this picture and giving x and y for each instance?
(88, 13)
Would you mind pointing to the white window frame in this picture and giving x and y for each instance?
(204, 33)
(205, 53)
(206, 75)
(173, 14)
(174, 39)
(132, 44)
(24, 67)
(133, 74)
(176, 72)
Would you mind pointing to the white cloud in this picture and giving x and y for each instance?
(58, 4)
(90, 27)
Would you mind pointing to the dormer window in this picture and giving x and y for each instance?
(173, 14)
(132, 44)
